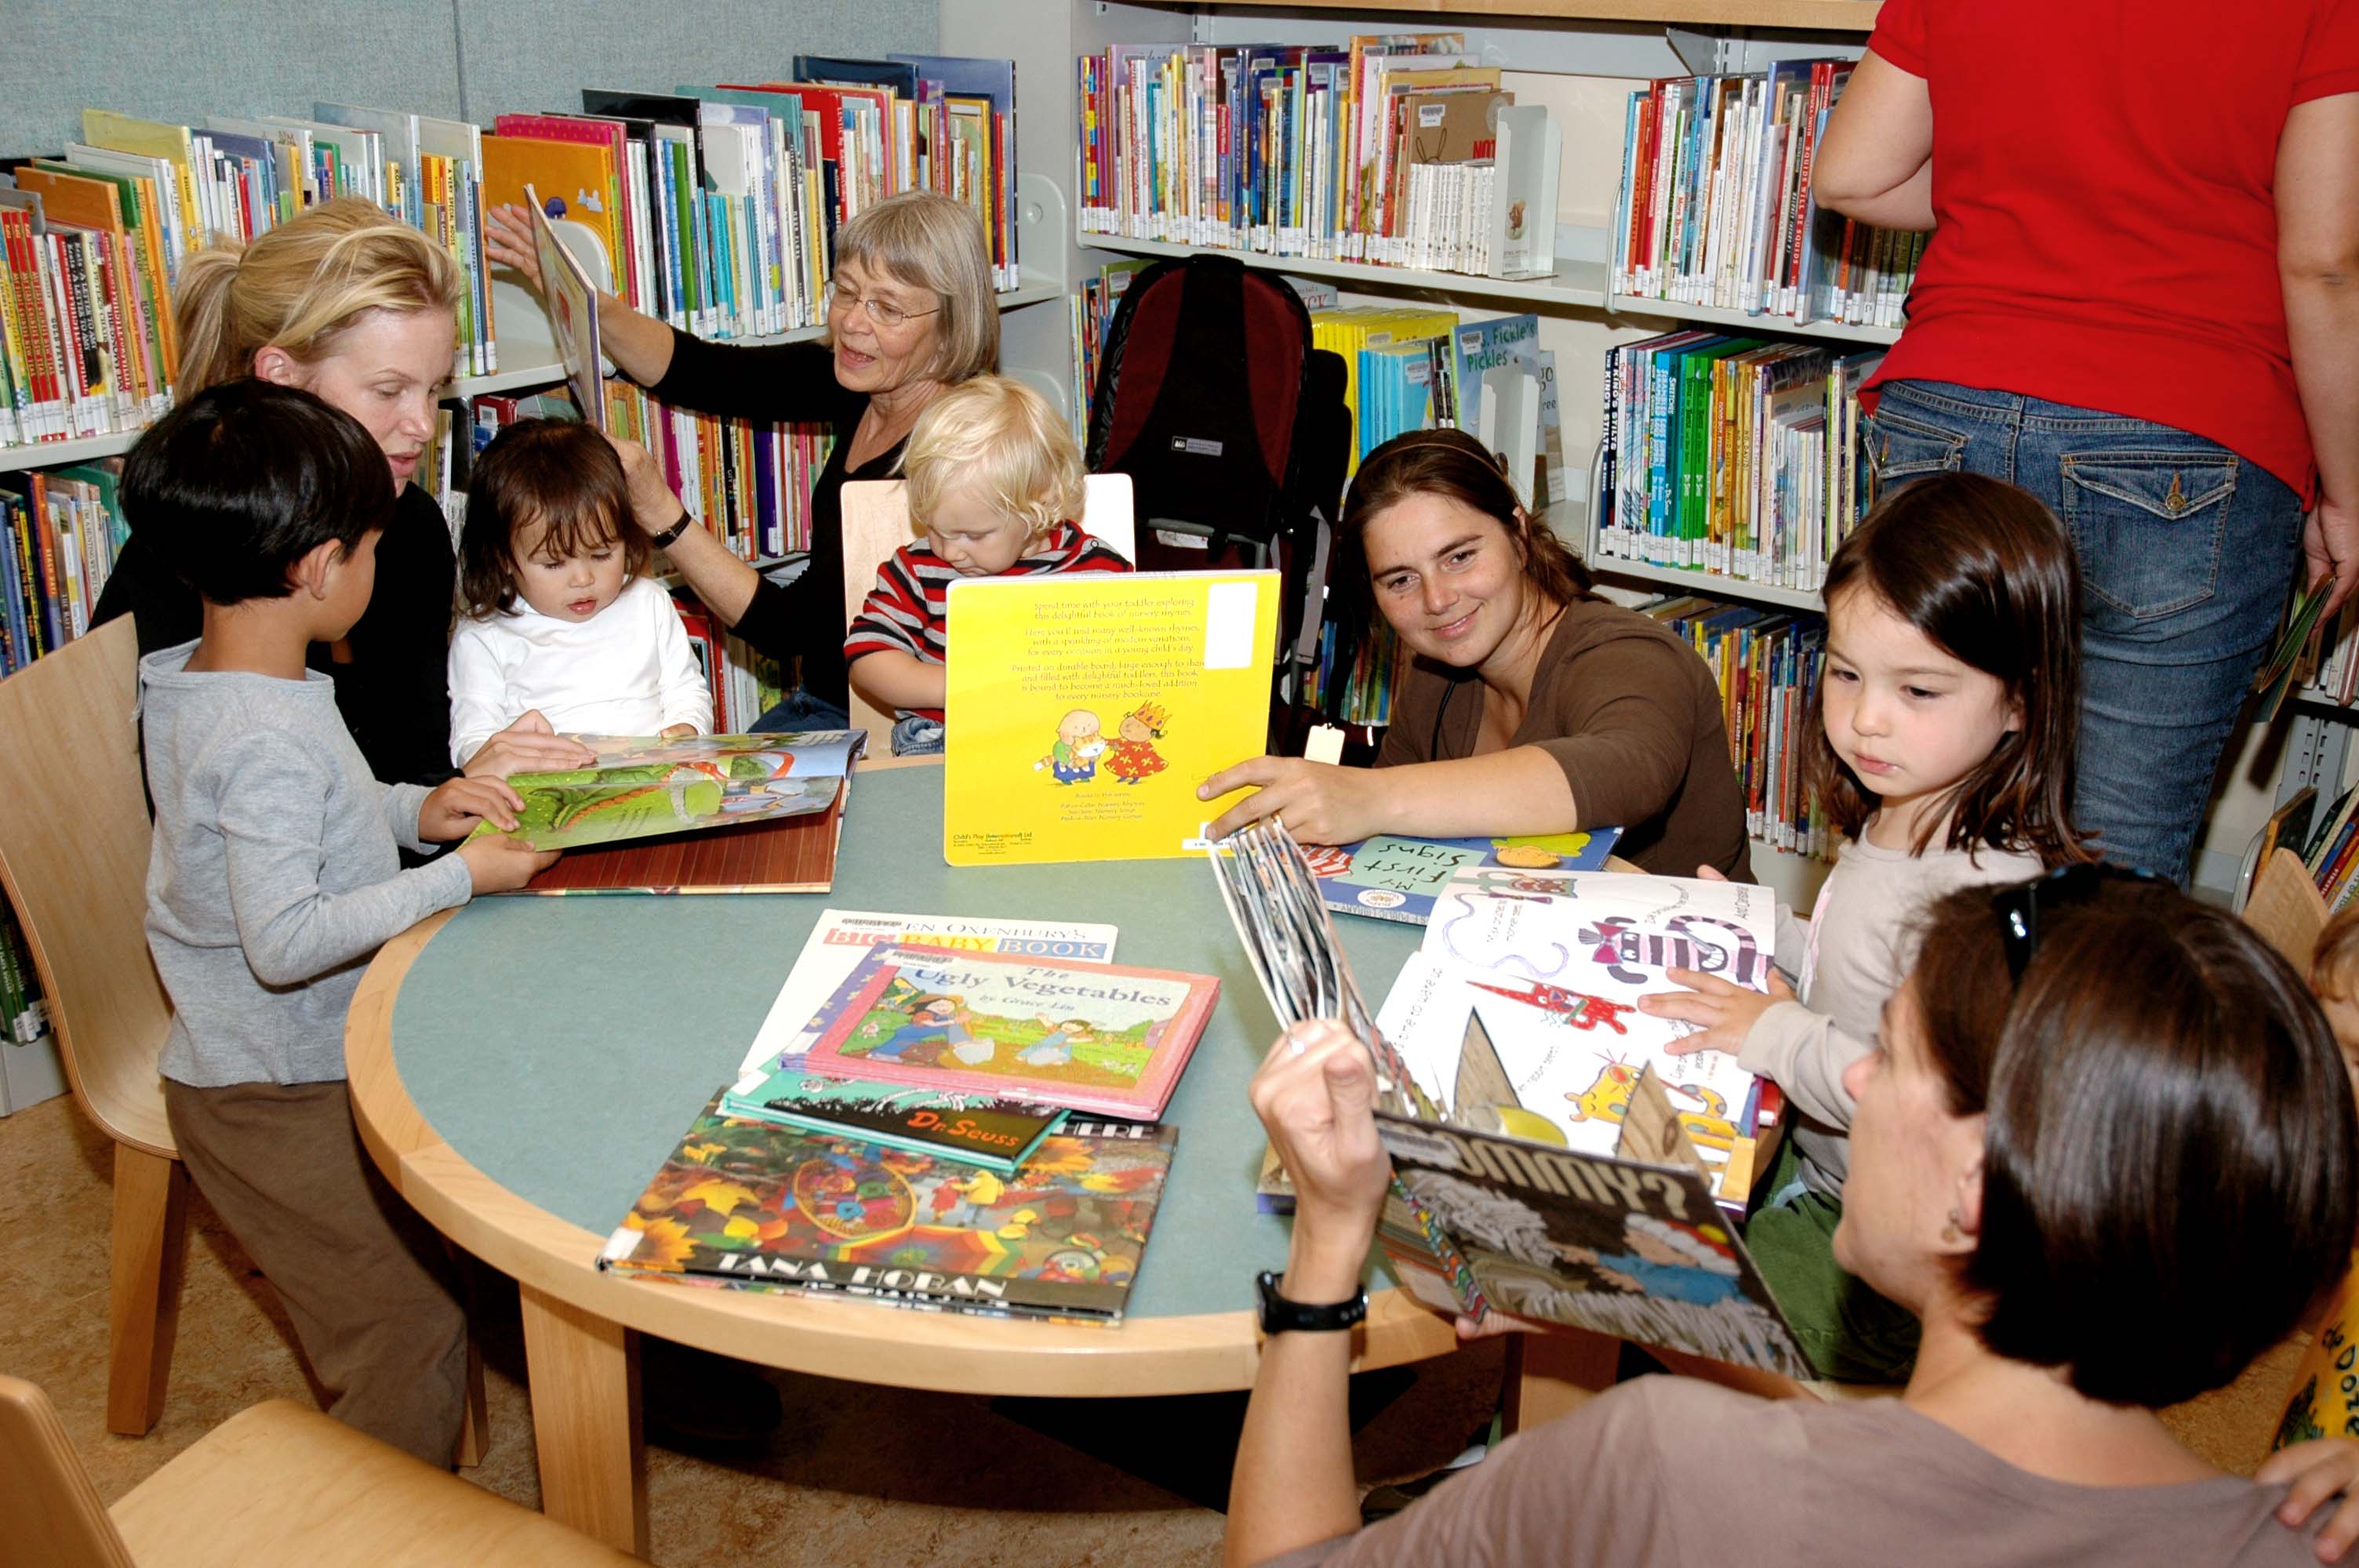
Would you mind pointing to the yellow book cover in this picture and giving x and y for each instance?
(1084, 709)
(151, 138)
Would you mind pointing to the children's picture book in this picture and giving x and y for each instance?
(756, 1206)
(787, 854)
(1553, 963)
(1084, 709)
(1627, 1240)
(842, 938)
(977, 1130)
(1395, 877)
(572, 316)
(1607, 1242)
(638, 786)
(1107, 1039)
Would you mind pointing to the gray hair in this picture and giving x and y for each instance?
(929, 241)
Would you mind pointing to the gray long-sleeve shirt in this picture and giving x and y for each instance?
(273, 876)
(1853, 952)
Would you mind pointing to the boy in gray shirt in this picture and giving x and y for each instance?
(274, 877)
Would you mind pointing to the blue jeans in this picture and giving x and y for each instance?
(916, 737)
(2186, 552)
(797, 710)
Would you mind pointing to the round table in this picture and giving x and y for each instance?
(522, 1066)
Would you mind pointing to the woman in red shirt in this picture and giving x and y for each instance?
(2141, 303)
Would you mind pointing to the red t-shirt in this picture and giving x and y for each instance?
(2104, 231)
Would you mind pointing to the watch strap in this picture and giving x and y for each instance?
(663, 540)
(1282, 1315)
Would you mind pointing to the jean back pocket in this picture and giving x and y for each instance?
(1901, 448)
(2147, 525)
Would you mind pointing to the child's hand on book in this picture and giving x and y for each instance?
(455, 806)
(507, 240)
(1320, 804)
(2320, 1470)
(528, 746)
(1724, 1010)
(501, 865)
(1316, 1096)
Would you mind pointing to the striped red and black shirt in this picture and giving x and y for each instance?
(909, 610)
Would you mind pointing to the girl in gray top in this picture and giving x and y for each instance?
(1949, 707)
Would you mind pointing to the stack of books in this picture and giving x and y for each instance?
(1732, 456)
(1381, 148)
(1767, 663)
(60, 530)
(1714, 206)
(905, 1127)
(2333, 852)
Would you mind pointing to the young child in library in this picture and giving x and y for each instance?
(273, 877)
(994, 482)
(560, 618)
(1949, 705)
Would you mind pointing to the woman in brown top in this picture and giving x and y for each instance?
(2106, 1154)
(1532, 705)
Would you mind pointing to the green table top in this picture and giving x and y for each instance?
(563, 1045)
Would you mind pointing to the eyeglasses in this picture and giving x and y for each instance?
(882, 313)
(2018, 907)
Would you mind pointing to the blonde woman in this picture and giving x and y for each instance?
(358, 309)
(911, 315)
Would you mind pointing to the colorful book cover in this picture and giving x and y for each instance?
(642, 785)
(1102, 1038)
(759, 1206)
(842, 938)
(1084, 709)
(1395, 877)
(976, 1129)
(1634, 1249)
(786, 854)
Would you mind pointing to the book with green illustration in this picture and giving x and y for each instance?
(642, 785)
(989, 1130)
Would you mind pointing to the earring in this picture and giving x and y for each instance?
(1951, 1231)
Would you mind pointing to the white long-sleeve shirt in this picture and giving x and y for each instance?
(626, 671)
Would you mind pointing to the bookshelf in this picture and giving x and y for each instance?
(1831, 15)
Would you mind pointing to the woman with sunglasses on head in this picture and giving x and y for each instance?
(911, 314)
(1532, 704)
(2107, 1153)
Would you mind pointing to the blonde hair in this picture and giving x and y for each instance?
(929, 241)
(1001, 442)
(2334, 961)
(301, 286)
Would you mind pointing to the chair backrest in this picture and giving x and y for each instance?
(55, 1518)
(73, 859)
(877, 524)
(2285, 908)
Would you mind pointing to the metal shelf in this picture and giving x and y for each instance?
(1580, 284)
(1693, 579)
(1738, 321)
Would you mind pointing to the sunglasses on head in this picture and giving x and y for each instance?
(2018, 907)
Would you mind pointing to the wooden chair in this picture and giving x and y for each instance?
(73, 859)
(877, 524)
(2285, 908)
(274, 1484)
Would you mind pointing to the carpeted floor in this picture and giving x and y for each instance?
(855, 1474)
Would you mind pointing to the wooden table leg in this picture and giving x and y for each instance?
(585, 1419)
(1553, 1373)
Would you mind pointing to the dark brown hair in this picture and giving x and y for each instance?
(558, 473)
(1986, 574)
(2171, 1151)
(1452, 464)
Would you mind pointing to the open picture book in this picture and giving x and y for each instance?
(692, 814)
(1494, 1208)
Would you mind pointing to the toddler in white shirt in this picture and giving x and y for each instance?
(558, 616)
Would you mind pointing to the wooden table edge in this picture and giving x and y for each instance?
(1201, 1353)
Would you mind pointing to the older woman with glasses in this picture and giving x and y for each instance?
(911, 313)
(2106, 1154)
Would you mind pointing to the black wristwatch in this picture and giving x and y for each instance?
(663, 540)
(1279, 1315)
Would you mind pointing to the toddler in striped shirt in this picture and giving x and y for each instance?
(994, 484)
